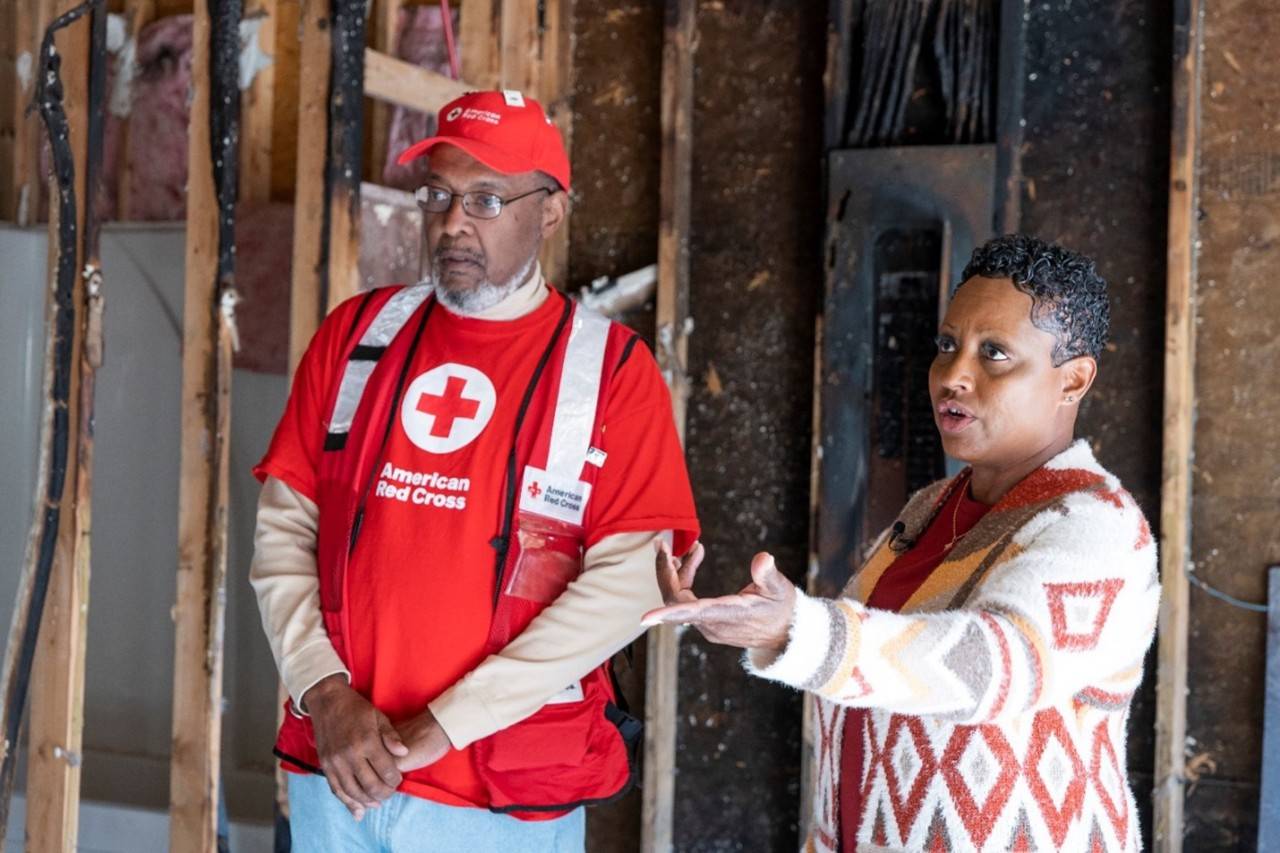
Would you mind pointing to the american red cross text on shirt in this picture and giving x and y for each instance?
(448, 407)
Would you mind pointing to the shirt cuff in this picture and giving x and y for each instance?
(307, 667)
(463, 715)
(808, 646)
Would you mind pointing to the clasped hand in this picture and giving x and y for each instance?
(363, 755)
(757, 617)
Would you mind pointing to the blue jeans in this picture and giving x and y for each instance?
(319, 822)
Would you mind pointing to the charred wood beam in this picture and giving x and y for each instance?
(51, 528)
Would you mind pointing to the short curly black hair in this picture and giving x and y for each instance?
(1068, 297)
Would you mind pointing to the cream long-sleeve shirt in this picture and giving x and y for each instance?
(598, 614)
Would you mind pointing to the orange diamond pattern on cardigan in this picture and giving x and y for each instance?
(1079, 611)
(1108, 779)
(1055, 774)
(909, 768)
(980, 773)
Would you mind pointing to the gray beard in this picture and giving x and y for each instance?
(479, 299)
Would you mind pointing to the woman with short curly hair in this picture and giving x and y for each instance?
(975, 675)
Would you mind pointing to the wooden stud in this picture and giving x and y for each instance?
(206, 418)
(394, 81)
(479, 31)
(662, 661)
(257, 108)
(383, 39)
(305, 299)
(554, 87)
(345, 155)
(1179, 417)
(57, 684)
(284, 120)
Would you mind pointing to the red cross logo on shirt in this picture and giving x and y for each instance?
(448, 407)
(534, 491)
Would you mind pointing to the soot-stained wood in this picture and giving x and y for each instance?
(1236, 480)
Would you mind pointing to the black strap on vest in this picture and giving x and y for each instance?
(358, 520)
(502, 542)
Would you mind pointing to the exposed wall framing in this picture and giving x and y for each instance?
(208, 338)
(57, 696)
(1179, 417)
(46, 647)
(662, 659)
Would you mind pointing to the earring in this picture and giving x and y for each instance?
(1071, 399)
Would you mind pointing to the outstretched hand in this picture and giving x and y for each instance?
(757, 617)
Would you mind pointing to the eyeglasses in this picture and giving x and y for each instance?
(479, 205)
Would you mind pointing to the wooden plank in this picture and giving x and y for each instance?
(554, 87)
(305, 299)
(1179, 416)
(1010, 126)
(662, 661)
(21, 186)
(206, 413)
(346, 124)
(57, 683)
(519, 46)
(479, 34)
(257, 107)
(395, 81)
(383, 38)
(284, 124)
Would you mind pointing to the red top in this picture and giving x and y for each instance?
(420, 585)
(894, 589)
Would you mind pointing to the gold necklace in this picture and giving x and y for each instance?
(955, 516)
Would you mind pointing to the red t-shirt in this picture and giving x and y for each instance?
(894, 589)
(419, 587)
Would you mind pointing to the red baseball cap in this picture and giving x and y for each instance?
(505, 130)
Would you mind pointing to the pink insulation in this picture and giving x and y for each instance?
(157, 153)
(422, 43)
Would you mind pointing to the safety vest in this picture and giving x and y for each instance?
(580, 748)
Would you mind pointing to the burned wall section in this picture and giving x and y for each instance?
(756, 286)
(617, 86)
(1096, 168)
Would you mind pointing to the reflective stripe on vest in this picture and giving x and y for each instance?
(573, 418)
(373, 343)
(575, 411)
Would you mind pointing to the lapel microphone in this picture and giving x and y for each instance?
(898, 541)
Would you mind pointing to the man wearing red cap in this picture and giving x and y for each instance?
(457, 524)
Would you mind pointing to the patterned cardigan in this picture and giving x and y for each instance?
(999, 696)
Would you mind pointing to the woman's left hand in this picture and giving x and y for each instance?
(758, 617)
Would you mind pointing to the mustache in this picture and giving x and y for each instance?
(453, 253)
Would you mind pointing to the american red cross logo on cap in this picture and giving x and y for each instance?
(534, 491)
(447, 408)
